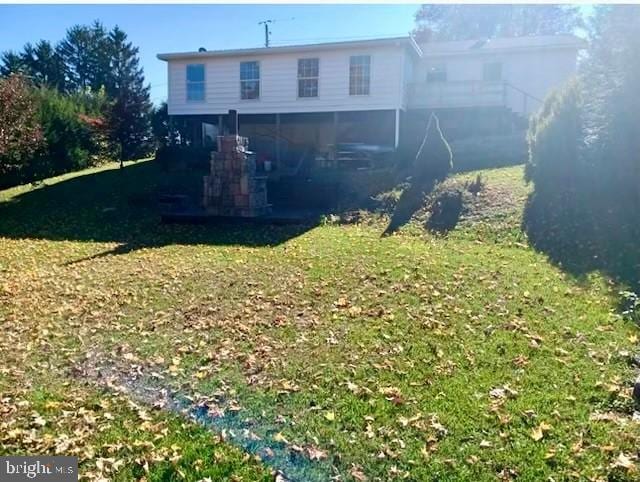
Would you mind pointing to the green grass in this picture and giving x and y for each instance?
(465, 357)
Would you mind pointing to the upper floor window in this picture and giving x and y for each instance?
(359, 74)
(492, 71)
(250, 80)
(195, 82)
(437, 73)
(308, 73)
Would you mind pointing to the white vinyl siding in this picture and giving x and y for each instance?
(359, 75)
(195, 82)
(536, 72)
(308, 74)
(279, 83)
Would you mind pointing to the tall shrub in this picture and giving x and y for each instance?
(434, 160)
(585, 156)
(433, 164)
(555, 213)
(20, 129)
(69, 130)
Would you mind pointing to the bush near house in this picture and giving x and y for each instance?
(432, 164)
(585, 157)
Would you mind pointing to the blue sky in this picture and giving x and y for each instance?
(170, 28)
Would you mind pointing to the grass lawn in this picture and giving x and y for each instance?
(322, 351)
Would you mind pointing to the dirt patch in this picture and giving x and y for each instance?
(217, 412)
(493, 201)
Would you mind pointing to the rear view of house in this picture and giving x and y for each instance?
(305, 101)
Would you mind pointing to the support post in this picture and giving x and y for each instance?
(232, 122)
(335, 133)
(220, 125)
(277, 141)
(396, 140)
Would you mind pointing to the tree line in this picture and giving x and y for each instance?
(442, 22)
(70, 105)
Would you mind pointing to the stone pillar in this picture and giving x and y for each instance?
(232, 187)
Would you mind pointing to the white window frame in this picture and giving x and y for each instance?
(439, 68)
(253, 79)
(309, 77)
(493, 63)
(202, 82)
(359, 90)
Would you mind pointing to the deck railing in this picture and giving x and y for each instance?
(470, 93)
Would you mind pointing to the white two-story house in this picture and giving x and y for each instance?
(308, 98)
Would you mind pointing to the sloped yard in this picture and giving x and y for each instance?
(320, 351)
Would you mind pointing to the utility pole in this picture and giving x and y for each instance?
(267, 32)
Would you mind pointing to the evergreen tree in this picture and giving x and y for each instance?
(85, 54)
(160, 124)
(585, 156)
(12, 63)
(44, 65)
(130, 113)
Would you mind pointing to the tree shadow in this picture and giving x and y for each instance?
(580, 243)
(121, 205)
(446, 210)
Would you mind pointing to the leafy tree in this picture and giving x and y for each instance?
(130, 114)
(71, 131)
(465, 22)
(91, 101)
(20, 130)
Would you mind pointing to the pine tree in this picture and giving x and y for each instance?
(85, 54)
(130, 113)
(44, 65)
(12, 63)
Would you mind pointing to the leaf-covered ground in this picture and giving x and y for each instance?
(466, 357)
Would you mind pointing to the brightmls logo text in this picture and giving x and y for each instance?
(51, 469)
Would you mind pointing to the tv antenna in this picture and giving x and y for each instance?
(267, 32)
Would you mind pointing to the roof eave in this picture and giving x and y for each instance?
(398, 42)
(574, 46)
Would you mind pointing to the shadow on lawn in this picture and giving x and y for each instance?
(580, 242)
(120, 205)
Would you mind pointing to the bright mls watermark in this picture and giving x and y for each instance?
(52, 469)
